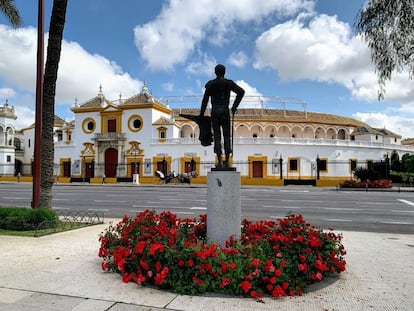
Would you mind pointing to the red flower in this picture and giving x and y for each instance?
(255, 262)
(143, 264)
(105, 265)
(180, 263)
(278, 292)
(197, 280)
(140, 247)
(156, 247)
(302, 267)
(233, 266)
(225, 282)
(246, 286)
(320, 265)
(190, 263)
(223, 267)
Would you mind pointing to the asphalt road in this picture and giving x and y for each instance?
(390, 212)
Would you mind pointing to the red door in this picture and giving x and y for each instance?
(112, 125)
(257, 169)
(89, 169)
(111, 162)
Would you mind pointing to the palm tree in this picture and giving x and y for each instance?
(9, 9)
(57, 23)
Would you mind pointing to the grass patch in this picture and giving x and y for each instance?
(21, 221)
(61, 226)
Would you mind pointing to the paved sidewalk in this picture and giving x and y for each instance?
(63, 272)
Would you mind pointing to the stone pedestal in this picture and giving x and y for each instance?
(135, 179)
(223, 205)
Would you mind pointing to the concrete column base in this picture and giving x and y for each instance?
(223, 206)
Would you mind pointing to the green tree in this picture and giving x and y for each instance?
(9, 9)
(388, 28)
(57, 23)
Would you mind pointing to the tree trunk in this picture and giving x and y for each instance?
(57, 23)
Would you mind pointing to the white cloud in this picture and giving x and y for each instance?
(173, 35)
(80, 73)
(400, 124)
(238, 59)
(205, 66)
(6, 93)
(325, 50)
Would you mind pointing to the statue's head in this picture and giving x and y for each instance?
(220, 70)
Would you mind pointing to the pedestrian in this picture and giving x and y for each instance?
(218, 91)
(19, 177)
(103, 178)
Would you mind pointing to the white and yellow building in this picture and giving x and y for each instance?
(142, 134)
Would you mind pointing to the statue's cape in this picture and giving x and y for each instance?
(204, 123)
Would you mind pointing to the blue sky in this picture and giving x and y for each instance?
(306, 49)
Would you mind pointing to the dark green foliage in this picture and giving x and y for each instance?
(22, 219)
(366, 174)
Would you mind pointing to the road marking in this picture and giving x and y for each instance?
(149, 206)
(198, 208)
(338, 220)
(395, 223)
(107, 201)
(99, 209)
(406, 202)
(343, 209)
(14, 198)
(307, 201)
(184, 213)
(294, 191)
(284, 207)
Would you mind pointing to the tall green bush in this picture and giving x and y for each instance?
(22, 219)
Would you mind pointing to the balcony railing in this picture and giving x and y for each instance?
(292, 141)
(109, 136)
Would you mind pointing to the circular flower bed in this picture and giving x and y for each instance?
(276, 258)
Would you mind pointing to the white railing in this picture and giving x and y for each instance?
(292, 141)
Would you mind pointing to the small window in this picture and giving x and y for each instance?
(28, 143)
(59, 135)
(135, 123)
(323, 165)
(353, 164)
(8, 159)
(293, 165)
(162, 134)
(88, 125)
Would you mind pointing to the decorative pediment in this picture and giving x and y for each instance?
(164, 121)
(88, 150)
(135, 149)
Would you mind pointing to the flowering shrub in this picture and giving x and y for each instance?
(276, 258)
(380, 183)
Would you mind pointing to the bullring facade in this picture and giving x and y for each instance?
(142, 134)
